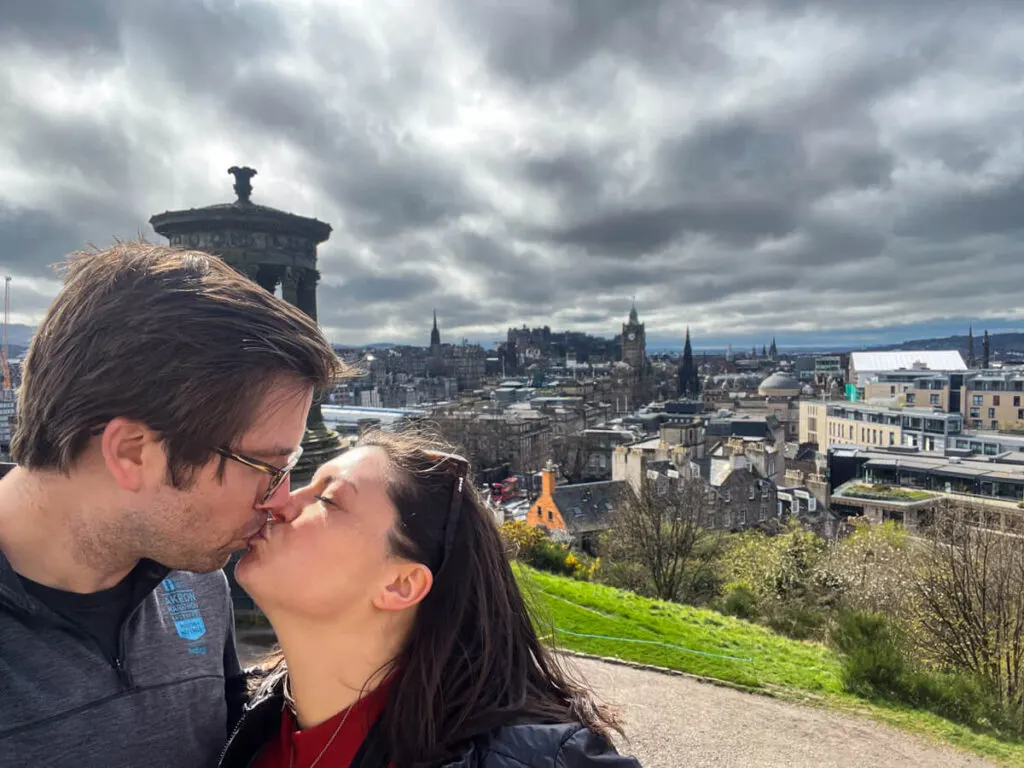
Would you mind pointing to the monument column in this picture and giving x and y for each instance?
(290, 288)
(307, 291)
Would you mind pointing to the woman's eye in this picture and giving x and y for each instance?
(326, 501)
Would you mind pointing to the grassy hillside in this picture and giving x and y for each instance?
(679, 637)
(600, 620)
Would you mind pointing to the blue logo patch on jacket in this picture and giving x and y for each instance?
(183, 608)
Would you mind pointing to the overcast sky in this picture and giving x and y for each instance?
(745, 168)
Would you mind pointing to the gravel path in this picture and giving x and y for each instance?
(675, 722)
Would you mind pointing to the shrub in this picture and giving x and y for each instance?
(632, 577)
(534, 547)
(740, 602)
(874, 664)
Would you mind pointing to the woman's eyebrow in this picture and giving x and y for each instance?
(328, 480)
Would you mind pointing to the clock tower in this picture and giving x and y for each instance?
(634, 342)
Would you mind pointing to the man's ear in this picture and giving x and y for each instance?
(131, 452)
(411, 583)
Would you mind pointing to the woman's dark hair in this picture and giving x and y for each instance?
(473, 661)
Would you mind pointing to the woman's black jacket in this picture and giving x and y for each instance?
(517, 746)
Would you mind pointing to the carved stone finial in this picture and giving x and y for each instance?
(243, 184)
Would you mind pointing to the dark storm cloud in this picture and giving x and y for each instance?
(735, 166)
(993, 210)
(59, 27)
(537, 42)
(201, 46)
(32, 240)
(370, 289)
(636, 232)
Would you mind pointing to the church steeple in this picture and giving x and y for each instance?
(689, 384)
(970, 346)
(985, 349)
(435, 334)
(633, 317)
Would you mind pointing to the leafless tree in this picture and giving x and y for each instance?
(663, 529)
(971, 589)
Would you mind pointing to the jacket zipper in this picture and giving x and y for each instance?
(118, 662)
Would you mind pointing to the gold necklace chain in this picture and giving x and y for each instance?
(337, 730)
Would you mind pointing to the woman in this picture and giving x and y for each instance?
(405, 639)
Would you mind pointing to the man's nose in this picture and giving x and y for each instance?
(283, 506)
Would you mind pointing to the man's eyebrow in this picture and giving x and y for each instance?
(278, 451)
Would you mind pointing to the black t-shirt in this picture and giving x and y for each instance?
(98, 614)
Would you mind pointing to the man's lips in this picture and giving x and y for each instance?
(260, 534)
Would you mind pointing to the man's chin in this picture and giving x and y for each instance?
(201, 564)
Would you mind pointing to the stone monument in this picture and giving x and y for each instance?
(272, 248)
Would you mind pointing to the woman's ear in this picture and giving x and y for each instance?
(411, 583)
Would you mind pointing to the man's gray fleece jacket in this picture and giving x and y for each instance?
(160, 703)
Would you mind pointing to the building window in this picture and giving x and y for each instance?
(1016, 401)
(727, 496)
(1020, 414)
(995, 424)
(991, 413)
(976, 423)
(551, 515)
(975, 412)
(910, 398)
(995, 399)
(892, 438)
(978, 400)
(751, 493)
(933, 399)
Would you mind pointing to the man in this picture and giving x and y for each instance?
(163, 402)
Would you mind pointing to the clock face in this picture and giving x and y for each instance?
(631, 336)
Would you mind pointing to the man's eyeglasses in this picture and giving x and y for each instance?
(277, 474)
(459, 468)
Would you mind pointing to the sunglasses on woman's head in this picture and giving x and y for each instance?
(277, 474)
(458, 467)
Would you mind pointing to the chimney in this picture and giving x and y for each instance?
(547, 479)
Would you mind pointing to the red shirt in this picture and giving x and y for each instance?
(308, 743)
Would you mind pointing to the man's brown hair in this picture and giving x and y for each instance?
(175, 339)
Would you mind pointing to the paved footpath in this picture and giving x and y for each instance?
(675, 722)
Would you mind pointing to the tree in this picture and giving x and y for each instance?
(662, 530)
(971, 589)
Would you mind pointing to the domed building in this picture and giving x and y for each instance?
(779, 385)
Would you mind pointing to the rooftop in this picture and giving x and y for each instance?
(587, 506)
(934, 360)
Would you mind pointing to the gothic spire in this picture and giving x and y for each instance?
(435, 334)
(689, 384)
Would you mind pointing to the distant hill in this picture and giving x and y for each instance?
(998, 342)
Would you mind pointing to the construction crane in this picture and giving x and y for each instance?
(7, 320)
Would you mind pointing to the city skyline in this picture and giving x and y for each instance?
(832, 174)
